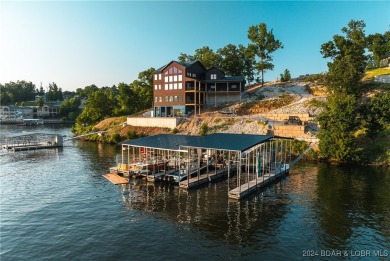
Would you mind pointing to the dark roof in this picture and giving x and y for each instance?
(186, 64)
(229, 79)
(221, 141)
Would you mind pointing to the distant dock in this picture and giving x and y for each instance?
(32, 141)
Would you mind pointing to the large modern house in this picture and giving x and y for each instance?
(188, 88)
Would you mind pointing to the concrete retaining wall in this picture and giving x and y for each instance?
(161, 122)
(282, 117)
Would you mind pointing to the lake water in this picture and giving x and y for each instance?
(55, 205)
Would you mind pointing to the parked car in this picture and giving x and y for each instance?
(293, 120)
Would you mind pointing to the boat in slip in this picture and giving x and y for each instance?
(139, 168)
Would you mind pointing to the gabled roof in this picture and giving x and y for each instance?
(186, 65)
(217, 69)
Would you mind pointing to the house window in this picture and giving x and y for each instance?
(179, 98)
(155, 77)
(175, 78)
(159, 76)
(166, 78)
(213, 76)
(170, 86)
(155, 87)
(180, 85)
(212, 86)
(233, 86)
(160, 99)
(175, 98)
(170, 78)
(193, 75)
(159, 86)
(175, 86)
(155, 99)
(170, 98)
(180, 78)
(166, 98)
(166, 86)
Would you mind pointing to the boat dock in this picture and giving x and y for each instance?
(32, 141)
(190, 161)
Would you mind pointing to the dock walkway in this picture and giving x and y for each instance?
(247, 188)
(204, 178)
(115, 178)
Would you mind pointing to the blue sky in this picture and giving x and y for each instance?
(78, 43)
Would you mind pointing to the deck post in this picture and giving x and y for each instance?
(198, 162)
(239, 172)
(229, 171)
(188, 167)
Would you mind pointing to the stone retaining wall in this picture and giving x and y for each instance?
(282, 117)
(289, 130)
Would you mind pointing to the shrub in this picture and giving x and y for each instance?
(203, 129)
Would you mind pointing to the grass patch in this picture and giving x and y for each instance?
(375, 72)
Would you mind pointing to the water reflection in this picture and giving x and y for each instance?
(352, 206)
(208, 210)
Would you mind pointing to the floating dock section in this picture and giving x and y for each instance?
(115, 178)
(32, 141)
(191, 161)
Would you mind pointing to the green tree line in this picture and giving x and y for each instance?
(347, 109)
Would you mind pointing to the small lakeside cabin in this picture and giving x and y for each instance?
(32, 141)
(190, 161)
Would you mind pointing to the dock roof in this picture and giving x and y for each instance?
(220, 141)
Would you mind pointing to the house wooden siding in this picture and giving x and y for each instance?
(182, 88)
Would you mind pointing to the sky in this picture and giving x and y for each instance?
(79, 43)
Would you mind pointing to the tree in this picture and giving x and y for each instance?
(338, 123)
(378, 44)
(263, 45)
(205, 55)
(69, 108)
(54, 93)
(376, 113)
(99, 105)
(349, 60)
(286, 76)
(39, 102)
(232, 59)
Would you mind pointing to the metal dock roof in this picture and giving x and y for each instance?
(220, 141)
